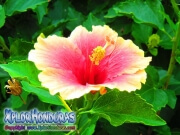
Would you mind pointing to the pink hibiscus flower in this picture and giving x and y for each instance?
(89, 61)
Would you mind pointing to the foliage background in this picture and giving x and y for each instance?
(22, 21)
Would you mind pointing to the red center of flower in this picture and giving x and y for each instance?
(94, 73)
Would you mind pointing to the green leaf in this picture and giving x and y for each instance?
(150, 91)
(2, 16)
(152, 77)
(41, 10)
(140, 11)
(92, 20)
(58, 33)
(75, 18)
(3, 74)
(3, 82)
(154, 51)
(157, 97)
(125, 129)
(2, 42)
(177, 59)
(100, 6)
(42, 93)
(141, 32)
(51, 29)
(166, 37)
(87, 124)
(12, 6)
(22, 69)
(177, 90)
(122, 25)
(171, 98)
(170, 22)
(59, 11)
(162, 130)
(16, 102)
(19, 49)
(2, 60)
(26, 26)
(120, 107)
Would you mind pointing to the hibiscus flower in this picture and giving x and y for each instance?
(89, 61)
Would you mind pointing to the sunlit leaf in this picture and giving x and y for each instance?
(92, 20)
(42, 93)
(12, 6)
(41, 10)
(140, 11)
(22, 69)
(120, 107)
(157, 97)
(2, 16)
(154, 51)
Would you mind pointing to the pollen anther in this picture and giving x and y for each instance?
(98, 54)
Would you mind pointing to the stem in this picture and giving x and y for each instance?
(175, 46)
(87, 122)
(88, 106)
(65, 104)
(22, 99)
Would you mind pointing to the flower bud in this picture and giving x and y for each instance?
(153, 41)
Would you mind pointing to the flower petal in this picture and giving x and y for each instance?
(87, 41)
(63, 82)
(60, 53)
(128, 82)
(56, 52)
(125, 58)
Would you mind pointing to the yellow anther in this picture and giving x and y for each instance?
(98, 54)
